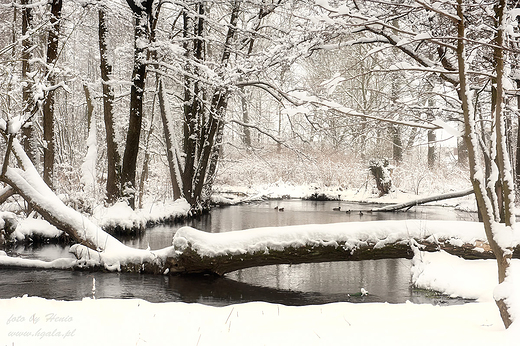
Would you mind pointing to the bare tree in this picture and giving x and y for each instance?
(29, 140)
(205, 93)
(48, 104)
(144, 15)
(113, 186)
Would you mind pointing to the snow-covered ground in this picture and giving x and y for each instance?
(281, 189)
(37, 321)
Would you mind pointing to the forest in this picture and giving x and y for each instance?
(109, 101)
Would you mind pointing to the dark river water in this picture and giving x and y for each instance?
(385, 280)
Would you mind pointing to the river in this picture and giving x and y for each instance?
(385, 280)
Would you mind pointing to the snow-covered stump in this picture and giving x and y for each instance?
(8, 223)
(380, 172)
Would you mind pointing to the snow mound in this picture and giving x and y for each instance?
(121, 215)
(454, 276)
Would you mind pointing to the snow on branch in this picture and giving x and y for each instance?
(253, 126)
(299, 100)
(334, 106)
(436, 8)
(339, 45)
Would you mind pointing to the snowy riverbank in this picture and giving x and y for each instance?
(37, 321)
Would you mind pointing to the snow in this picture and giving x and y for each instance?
(282, 189)
(27, 227)
(38, 321)
(15, 123)
(423, 36)
(121, 214)
(454, 276)
(449, 129)
(332, 83)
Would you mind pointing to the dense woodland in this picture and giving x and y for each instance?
(117, 100)
(237, 74)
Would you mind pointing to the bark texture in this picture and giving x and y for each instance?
(113, 185)
(48, 105)
(128, 173)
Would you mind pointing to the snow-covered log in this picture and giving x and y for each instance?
(198, 252)
(27, 182)
(220, 253)
(409, 204)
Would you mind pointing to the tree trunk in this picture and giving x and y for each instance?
(432, 138)
(517, 162)
(503, 162)
(432, 156)
(486, 198)
(90, 106)
(203, 124)
(48, 105)
(128, 173)
(462, 153)
(246, 136)
(191, 261)
(194, 110)
(113, 185)
(146, 160)
(174, 163)
(29, 140)
(397, 145)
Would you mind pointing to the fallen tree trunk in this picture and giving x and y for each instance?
(196, 250)
(410, 204)
(191, 262)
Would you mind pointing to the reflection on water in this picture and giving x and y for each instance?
(317, 283)
(382, 278)
(296, 212)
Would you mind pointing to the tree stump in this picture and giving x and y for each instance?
(380, 172)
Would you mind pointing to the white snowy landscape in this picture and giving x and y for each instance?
(122, 118)
(37, 321)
